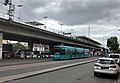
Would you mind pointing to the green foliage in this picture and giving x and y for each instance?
(118, 50)
(17, 46)
(112, 44)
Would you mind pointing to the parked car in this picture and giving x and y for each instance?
(23, 54)
(6, 54)
(115, 56)
(45, 55)
(106, 66)
(36, 54)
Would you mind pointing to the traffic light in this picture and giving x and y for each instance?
(6, 2)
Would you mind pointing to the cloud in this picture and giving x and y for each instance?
(76, 12)
(72, 12)
(102, 15)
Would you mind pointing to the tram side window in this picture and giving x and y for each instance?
(77, 52)
(62, 52)
(82, 52)
(73, 52)
(67, 52)
(86, 52)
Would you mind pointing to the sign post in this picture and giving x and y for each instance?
(1, 39)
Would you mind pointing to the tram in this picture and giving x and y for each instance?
(68, 52)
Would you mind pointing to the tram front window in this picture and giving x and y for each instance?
(59, 51)
(56, 50)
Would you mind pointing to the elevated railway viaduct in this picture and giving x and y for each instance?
(26, 33)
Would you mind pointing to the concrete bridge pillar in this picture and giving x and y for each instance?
(30, 46)
(1, 39)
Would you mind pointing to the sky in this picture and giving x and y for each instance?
(97, 19)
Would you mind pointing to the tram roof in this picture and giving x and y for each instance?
(69, 47)
(64, 46)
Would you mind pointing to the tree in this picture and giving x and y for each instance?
(17, 46)
(113, 44)
(118, 51)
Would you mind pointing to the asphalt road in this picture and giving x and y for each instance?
(23, 68)
(77, 74)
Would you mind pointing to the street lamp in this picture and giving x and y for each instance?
(61, 27)
(45, 17)
(19, 10)
(89, 31)
(71, 32)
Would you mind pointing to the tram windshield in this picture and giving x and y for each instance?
(58, 50)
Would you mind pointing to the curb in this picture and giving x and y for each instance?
(29, 74)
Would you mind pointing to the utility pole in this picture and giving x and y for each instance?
(45, 17)
(19, 10)
(11, 8)
(71, 32)
(61, 28)
(103, 42)
(89, 31)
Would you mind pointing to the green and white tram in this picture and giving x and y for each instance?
(69, 52)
